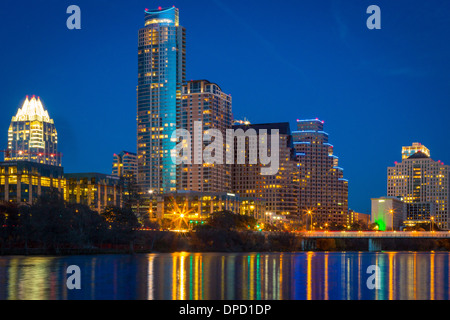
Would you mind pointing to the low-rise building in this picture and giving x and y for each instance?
(183, 209)
(95, 190)
(355, 217)
(388, 213)
(26, 181)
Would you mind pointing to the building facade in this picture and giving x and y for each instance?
(205, 103)
(388, 213)
(95, 190)
(279, 191)
(323, 191)
(125, 164)
(161, 73)
(357, 217)
(421, 181)
(185, 209)
(26, 181)
(32, 135)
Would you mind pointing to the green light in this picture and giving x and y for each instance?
(381, 224)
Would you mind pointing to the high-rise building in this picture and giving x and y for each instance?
(161, 73)
(125, 164)
(423, 184)
(279, 191)
(323, 190)
(205, 102)
(32, 135)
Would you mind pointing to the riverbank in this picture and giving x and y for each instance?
(223, 241)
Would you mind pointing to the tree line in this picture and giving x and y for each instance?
(53, 226)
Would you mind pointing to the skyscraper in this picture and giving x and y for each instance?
(205, 102)
(280, 191)
(424, 185)
(323, 189)
(32, 135)
(161, 73)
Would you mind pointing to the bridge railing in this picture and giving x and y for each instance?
(376, 234)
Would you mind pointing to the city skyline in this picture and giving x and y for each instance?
(381, 152)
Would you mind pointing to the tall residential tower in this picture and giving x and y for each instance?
(205, 102)
(280, 191)
(323, 189)
(161, 73)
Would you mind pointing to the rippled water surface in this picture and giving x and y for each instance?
(248, 276)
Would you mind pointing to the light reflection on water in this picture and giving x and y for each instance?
(247, 276)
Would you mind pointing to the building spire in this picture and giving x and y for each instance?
(32, 110)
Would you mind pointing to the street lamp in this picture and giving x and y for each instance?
(150, 206)
(431, 223)
(310, 213)
(391, 213)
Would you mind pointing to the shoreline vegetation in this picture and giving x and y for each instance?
(171, 242)
(53, 227)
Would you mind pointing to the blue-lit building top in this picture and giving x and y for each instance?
(161, 73)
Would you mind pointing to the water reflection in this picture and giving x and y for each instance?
(252, 276)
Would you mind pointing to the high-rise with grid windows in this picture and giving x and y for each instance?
(423, 184)
(280, 190)
(161, 73)
(323, 189)
(206, 103)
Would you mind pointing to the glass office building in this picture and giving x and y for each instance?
(161, 73)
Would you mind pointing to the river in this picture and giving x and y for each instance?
(230, 276)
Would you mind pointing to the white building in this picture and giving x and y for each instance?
(388, 212)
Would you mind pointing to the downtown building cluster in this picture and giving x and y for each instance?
(307, 191)
(308, 185)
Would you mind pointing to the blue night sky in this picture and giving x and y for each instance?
(376, 90)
